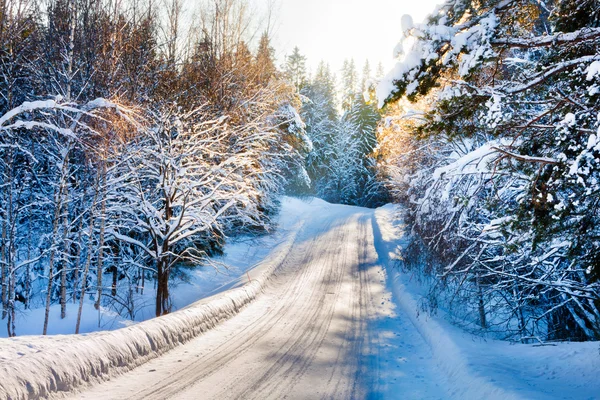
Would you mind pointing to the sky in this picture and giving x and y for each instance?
(333, 30)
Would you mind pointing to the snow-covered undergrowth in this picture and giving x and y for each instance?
(37, 366)
(241, 254)
(479, 368)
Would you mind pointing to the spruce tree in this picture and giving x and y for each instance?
(366, 76)
(265, 63)
(295, 69)
(349, 84)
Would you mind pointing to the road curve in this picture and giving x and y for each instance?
(315, 333)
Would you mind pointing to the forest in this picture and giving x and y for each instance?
(134, 146)
(131, 148)
(490, 140)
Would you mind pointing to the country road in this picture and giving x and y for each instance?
(324, 328)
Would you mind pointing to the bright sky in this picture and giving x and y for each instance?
(333, 30)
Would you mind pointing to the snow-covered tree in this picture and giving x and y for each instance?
(349, 84)
(320, 115)
(295, 69)
(365, 77)
(58, 157)
(511, 124)
(169, 190)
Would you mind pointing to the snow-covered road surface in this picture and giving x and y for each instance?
(323, 328)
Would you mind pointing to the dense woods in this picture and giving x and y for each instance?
(136, 137)
(129, 149)
(341, 118)
(490, 141)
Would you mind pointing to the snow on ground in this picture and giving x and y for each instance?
(31, 322)
(35, 366)
(240, 257)
(339, 262)
(485, 368)
(324, 327)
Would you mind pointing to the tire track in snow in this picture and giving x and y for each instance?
(307, 336)
(301, 355)
(243, 341)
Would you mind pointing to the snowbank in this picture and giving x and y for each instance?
(33, 367)
(479, 368)
(448, 355)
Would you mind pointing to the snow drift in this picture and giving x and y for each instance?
(463, 381)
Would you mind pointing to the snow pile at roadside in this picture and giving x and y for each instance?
(32, 367)
(446, 352)
(480, 368)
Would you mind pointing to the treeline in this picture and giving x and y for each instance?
(491, 142)
(131, 148)
(341, 118)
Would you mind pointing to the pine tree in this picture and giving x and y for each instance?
(366, 77)
(349, 84)
(295, 69)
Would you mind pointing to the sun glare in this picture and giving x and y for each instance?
(335, 30)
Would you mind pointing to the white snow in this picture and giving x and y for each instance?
(234, 269)
(475, 161)
(406, 22)
(324, 265)
(477, 367)
(32, 366)
(593, 70)
(421, 44)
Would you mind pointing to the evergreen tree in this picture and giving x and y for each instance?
(341, 164)
(320, 115)
(349, 84)
(295, 69)
(380, 72)
(511, 210)
(265, 63)
(365, 119)
(366, 77)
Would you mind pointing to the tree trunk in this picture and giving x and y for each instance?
(115, 278)
(11, 257)
(100, 270)
(3, 271)
(519, 306)
(11, 329)
(49, 292)
(86, 270)
(58, 201)
(162, 289)
(77, 261)
(64, 266)
(482, 317)
(28, 267)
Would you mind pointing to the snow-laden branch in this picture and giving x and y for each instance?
(523, 158)
(25, 114)
(557, 39)
(511, 88)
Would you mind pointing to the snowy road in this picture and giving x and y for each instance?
(325, 327)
